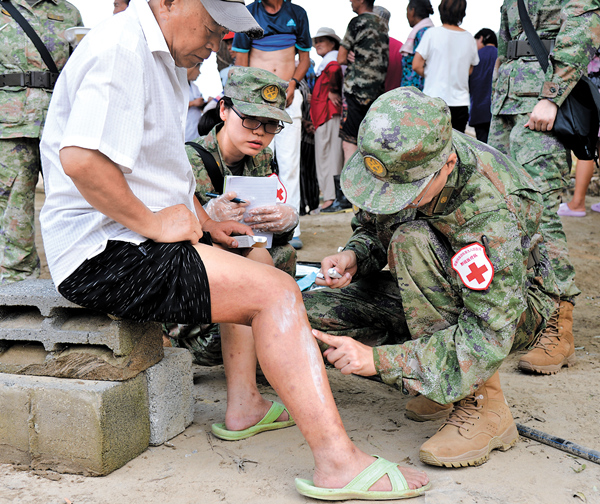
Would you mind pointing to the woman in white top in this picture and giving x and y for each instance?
(446, 57)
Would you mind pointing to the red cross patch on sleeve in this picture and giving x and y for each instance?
(281, 190)
(473, 267)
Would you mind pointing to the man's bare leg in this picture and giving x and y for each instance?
(249, 293)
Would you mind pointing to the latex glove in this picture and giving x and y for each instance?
(273, 218)
(223, 209)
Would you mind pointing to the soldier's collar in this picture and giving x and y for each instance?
(437, 206)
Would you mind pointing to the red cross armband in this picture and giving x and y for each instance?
(473, 267)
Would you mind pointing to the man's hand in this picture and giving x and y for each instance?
(289, 97)
(174, 224)
(220, 232)
(345, 264)
(347, 354)
(351, 56)
(542, 116)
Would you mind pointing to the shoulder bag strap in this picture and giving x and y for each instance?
(18, 17)
(532, 37)
(216, 177)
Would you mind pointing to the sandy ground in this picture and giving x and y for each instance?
(199, 468)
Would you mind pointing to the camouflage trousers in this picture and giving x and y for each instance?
(19, 172)
(204, 340)
(377, 311)
(545, 159)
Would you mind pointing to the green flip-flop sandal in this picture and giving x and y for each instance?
(267, 423)
(358, 488)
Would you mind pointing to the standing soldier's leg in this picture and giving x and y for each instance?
(545, 159)
(19, 171)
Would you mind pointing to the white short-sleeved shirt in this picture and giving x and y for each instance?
(121, 94)
(448, 56)
(193, 115)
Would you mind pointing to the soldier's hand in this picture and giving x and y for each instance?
(347, 354)
(542, 116)
(174, 224)
(344, 263)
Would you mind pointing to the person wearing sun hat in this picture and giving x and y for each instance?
(227, 143)
(469, 279)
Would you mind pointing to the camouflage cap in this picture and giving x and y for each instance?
(405, 138)
(257, 93)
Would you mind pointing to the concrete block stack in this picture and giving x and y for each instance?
(82, 392)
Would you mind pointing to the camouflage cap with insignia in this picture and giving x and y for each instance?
(405, 138)
(257, 93)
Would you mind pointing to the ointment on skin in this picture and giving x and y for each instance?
(315, 360)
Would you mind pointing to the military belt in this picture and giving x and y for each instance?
(519, 48)
(44, 80)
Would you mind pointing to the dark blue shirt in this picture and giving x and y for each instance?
(480, 86)
(287, 28)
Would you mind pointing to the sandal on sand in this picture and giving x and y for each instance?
(595, 207)
(358, 488)
(565, 211)
(267, 423)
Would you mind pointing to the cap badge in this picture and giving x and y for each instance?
(270, 93)
(375, 166)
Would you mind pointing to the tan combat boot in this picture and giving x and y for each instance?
(478, 424)
(421, 409)
(555, 347)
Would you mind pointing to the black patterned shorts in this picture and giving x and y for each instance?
(353, 112)
(162, 282)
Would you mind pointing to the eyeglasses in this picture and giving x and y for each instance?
(252, 123)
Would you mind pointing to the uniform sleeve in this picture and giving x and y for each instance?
(303, 38)
(371, 253)
(350, 37)
(241, 43)
(503, 35)
(576, 43)
(449, 364)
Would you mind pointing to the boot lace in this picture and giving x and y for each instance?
(550, 336)
(465, 411)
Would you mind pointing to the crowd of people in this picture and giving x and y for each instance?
(457, 255)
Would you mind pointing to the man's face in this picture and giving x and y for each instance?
(119, 6)
(355, 4)
(189, 30)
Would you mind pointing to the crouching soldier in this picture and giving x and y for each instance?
(469, 280)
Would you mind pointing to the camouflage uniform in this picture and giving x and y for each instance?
(22, 115)
(367, 36)
(440, 338)
(203, 341)
(521, 83)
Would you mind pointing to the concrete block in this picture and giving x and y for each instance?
(34, 311)
(171, 403)
(72, 426)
